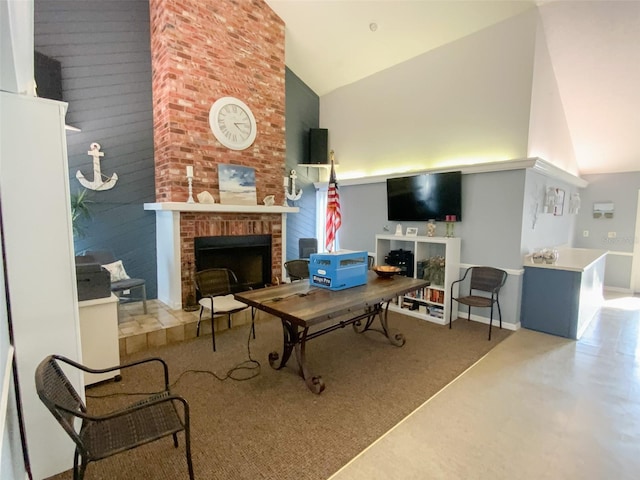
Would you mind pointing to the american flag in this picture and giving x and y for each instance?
(334, 218)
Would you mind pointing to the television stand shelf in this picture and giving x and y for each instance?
(430, 303)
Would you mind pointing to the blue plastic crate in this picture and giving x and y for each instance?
(338, 270)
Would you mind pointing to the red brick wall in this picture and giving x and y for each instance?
(202, 50)
(215, 224)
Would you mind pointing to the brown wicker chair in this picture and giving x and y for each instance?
(483, 279)
(297, 269)
(104, 435)
(215, 287)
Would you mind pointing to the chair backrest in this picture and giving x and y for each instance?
(58, 395)
(215, 281)
(307, 246)
(297, 269)
(487, 279)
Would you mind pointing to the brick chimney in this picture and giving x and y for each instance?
(202, 50)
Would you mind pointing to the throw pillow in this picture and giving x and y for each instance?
(117, 271)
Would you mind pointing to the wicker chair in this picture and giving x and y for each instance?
(483, 279)
(104, 435)
(297, 269)
(215, 287)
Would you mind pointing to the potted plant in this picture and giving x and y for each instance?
(80, 212)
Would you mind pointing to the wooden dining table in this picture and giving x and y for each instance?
(307, 311)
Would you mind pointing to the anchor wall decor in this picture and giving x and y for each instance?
(293, 195)
(99, 182)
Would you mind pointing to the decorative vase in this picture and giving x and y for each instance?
(431, 228)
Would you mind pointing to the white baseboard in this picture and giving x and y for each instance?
(485, 320)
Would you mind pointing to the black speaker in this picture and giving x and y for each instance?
(318, 146)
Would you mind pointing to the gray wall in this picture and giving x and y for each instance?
(622, 190)
(104, 50)
(545, 230)
(492, 205)
(490, 226)
(302, 106)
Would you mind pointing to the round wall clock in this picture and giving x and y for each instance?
(232, 123)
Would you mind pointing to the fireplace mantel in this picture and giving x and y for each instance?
(169, 238)
(218, 207)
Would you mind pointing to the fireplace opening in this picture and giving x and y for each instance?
(248, 256)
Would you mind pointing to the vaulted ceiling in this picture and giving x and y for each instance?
(594, 48)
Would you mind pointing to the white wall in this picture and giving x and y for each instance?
(549, 136)
(465, 102)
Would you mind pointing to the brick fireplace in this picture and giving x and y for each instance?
(202, 50)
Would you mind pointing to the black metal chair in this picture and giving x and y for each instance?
(215, 287)
(297, 269)
(483, 279)
(101, 436)
(119, 287)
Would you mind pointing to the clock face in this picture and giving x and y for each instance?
(232, 123)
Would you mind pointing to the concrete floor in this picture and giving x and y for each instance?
(536, 407)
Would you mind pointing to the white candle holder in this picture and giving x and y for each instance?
(190, 199)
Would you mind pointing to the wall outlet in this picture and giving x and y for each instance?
(585, 233)
(611, 234)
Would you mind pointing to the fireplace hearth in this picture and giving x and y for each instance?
(248, 256)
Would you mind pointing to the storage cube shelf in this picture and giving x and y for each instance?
(430, 303)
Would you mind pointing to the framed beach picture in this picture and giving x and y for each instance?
(237, 185)
(412, 232)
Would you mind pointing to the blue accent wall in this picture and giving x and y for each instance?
(104, 51)
(302, 113)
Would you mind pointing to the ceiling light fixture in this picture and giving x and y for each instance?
(373, 26)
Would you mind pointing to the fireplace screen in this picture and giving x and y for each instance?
(248, 256)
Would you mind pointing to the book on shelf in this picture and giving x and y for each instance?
(436, 296)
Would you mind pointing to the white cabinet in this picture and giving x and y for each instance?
(99, 337)
(41, 278)
(430, 303)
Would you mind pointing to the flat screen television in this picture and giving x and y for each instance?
(425, 197)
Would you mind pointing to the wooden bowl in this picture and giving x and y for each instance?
(386, 271)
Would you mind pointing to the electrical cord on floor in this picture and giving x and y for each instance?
(249, 365)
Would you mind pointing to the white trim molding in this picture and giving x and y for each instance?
(536, 164)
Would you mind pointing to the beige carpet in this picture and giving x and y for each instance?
(272, 426)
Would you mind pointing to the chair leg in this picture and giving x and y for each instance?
(253, 322)
(79, 466)
(229, 321)
(144, 298)
(450, 311)
(187, 448)
(490, 321)
(76, 471)
(213, 331)
(499, 314)
(199, 320)
(469, 313)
